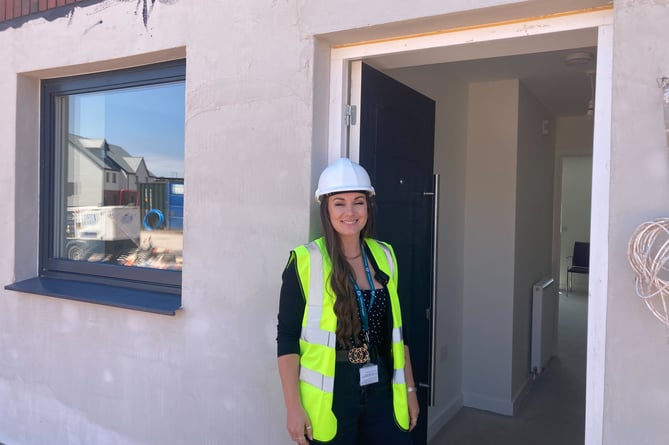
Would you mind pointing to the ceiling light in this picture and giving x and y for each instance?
(578, 58)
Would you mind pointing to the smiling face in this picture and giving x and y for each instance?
(348, 213)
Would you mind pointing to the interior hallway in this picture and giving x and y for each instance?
(555, 410)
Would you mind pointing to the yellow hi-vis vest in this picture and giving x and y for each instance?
(318, 339)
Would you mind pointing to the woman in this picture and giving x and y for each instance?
(345, 371)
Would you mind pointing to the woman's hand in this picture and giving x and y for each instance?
(412, 396)
(298, 425)
(414, 409)
(297, 421)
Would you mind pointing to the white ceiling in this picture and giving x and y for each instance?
(538, 62)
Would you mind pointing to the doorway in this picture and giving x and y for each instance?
(451, 340)
(575, 205)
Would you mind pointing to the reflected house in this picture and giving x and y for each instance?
(111, 197)
(103, 174)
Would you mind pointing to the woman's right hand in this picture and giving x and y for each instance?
(297, 420)
(299, 425)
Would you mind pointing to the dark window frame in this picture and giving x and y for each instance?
(139, 288)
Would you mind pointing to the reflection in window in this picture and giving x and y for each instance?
(135, 137)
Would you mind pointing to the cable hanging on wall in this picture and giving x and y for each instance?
(663, 83)
(648, 254)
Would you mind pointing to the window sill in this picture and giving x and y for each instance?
(141, 300)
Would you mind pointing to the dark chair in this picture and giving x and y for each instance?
(580, 261)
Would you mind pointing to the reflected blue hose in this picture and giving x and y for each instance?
(158, 224)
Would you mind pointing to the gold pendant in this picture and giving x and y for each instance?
(359, 355)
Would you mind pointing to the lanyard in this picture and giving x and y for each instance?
(364, 318)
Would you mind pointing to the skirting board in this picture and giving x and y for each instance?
(520, 397)
(499, 406)
(438, 420)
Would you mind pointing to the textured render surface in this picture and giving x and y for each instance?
(637, 355)
(79, 373)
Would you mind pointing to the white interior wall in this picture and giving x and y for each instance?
(573, 136)
(534, 226)
(450, 159)
(490, 228)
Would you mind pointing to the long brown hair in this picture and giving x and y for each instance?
(345, 306)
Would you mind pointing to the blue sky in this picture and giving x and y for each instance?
(146, 121)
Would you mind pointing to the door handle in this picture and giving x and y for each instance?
(433, 302)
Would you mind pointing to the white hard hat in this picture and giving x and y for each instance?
(343, 175)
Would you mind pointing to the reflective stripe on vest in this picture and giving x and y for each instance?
(316, 379)
(311, 328)
(318, 338)
(317, 344)
(400, 404)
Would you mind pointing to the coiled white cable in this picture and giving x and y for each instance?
(648, 254)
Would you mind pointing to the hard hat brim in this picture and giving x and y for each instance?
(342, 189)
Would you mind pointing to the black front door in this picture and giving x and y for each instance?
(397, 149)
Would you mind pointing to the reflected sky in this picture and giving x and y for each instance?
(145, 121)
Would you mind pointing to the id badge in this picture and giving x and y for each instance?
(369, 374)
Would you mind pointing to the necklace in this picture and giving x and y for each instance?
(353, 257)
(360, 355)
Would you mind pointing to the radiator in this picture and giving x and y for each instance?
(543, 324)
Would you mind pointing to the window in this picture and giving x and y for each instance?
(118, 242)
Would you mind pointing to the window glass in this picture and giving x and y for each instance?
(119, 176)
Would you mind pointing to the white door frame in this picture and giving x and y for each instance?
(602, 20)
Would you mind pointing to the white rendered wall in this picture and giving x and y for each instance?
(77, 373)
(636, 394)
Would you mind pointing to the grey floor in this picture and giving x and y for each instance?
(555, 410)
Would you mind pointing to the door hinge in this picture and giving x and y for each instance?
(350, 115)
